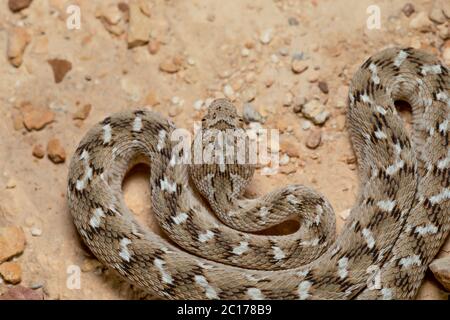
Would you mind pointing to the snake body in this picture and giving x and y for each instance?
(397, 225)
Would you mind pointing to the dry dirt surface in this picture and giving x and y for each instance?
(287, 61)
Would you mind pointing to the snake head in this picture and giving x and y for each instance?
(222, 115)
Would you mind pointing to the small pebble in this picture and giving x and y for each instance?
(284, 160)
(38, 151)
(36, 232)
(83, 112)
(12, 242)
(153, 46)
(266, 36)
(323, 86)
(36, 118)
(229, 92)
(245, 52)
(315, 111)
(293, 21)
(198, 104)
(169, 66)
(55, 151)
(306, 125)
(298, 66)
(249, 94)
(11, 272)
(18, 40)
(60, 68)
(17, 5)
(288, 99)
(408, 9)
(314, 138)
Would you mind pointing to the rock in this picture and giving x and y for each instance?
(36, 232)
(17, 121)
(22, 293)
(174, 110)
(139, 26)
(299, 102)
(306, 125)
(323, 86)
(17, 5)
(250, 114)
(249, 94)
(290, 147)
(11, 272)
(83, 112)
(408, 9)
(245, 52)
(341, 97)
(441, 270)
(313, 76)
(36, 118)
(284, 160)
(298, 66)
(421, 22)
(55, 151)
(316, 112)
(293, 21)
(18, 40)
(314, 138)
(12, 242)
(112, 18)
(38, 151)
(11, 184)
(60, 68)
(288, 99)
(228, 91)
(151, 99)
(153, 46)
(266, 36)
(170, 66)
(436, 14)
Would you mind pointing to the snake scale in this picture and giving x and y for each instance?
(397, 225)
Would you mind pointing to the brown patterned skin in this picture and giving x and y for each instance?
(398, 224)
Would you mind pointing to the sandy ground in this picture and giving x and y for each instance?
(214, 44)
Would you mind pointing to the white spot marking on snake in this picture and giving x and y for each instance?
(380, 135)
(180, 218)
(106, 133)
(292, 199)
(204, 237)
(427, 229)
(96, 218)
(380, 110)
(263, 212)
(342, 264)
(81, 184)
(368, 236)
(161, 138)
(278, 254)
(255, 294)
(431, 69)
(442, 96)
(365, 98)
(319, 212)
(442, 196)
(166, 185)
(166, 277)
(303, 273)
(373, 69)
(243, 246)
(401, 56)
(310, 243)
(137, 124)
(124, 253)
(209, 291)
(303, 290)
(386, 205)
(442, 164)
(410, 260)
(393, 168)
(443, 127)
(387, 293)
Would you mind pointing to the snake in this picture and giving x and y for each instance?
(212, 245)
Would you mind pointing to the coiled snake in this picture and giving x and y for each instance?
(399, 222)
